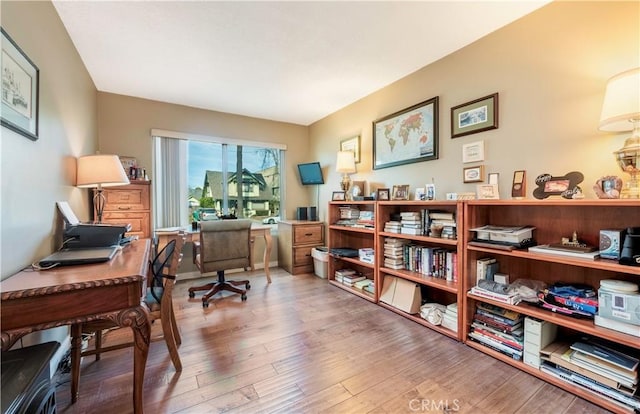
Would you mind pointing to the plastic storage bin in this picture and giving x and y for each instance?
(320, 261)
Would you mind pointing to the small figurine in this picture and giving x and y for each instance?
(573, 244)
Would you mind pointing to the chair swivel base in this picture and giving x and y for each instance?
(220, 285)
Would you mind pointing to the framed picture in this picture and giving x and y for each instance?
(400, 192)
(565, 186)
(492, 178)
(352, 144)
(407, 136)
(473, 174)
(358, 188)
(608, 187)
(421, 194)
(20, 83)
(475, 116)
(487, 191)
(473, 152)
(383, 194)
(338, 196)
(430, 191)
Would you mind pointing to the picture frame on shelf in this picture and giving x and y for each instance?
(608, 187)
(492, 178)
(358, 189)
(430, 191)
(420, 194)
(383, 194)
(565, 186)
(352, 144)
(473, 174)
(20, 90)
(487, 192)
(338, 196)
(475, 116)
(473, 152)
(406, 136)
(400, 192)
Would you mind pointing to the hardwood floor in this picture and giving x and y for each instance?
(300, 345)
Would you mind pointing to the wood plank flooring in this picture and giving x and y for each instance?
(300, 345)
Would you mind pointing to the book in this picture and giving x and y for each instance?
(441, 215)
(547, 249)
(509, 299)
(610, 357)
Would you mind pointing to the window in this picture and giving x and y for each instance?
(221, 177)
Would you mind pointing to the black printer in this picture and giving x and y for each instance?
(83, 235)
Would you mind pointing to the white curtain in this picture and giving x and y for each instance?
(171, 190)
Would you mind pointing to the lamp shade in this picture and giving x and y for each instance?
(346, 162)
(621, 102)
(100, 170)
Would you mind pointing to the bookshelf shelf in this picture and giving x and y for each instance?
(421, 321)
(365, 295)
(552, 219)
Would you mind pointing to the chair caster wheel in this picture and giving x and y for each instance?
(205, 304)
(192, 294)
(243, 297)
(247, 286)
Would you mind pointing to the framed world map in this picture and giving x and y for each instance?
(407, 136)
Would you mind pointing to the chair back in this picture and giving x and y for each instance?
(164, 267)
(224, 244)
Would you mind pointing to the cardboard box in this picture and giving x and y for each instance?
(402, 294)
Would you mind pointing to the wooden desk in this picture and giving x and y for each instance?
(71, 295)
(256, 231)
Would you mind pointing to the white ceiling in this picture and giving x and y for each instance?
(287, 61)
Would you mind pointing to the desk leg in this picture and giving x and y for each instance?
(267, 253)
(138, 320)
(76, 350)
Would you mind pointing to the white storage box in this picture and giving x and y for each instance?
(320, 261)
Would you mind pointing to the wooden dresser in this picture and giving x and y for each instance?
(129, 204)
(296, 238)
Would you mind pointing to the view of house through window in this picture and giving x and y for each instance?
(226, 179)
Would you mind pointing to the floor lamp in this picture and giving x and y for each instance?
(97, 171)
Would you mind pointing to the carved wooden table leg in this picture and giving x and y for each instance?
(76, 350)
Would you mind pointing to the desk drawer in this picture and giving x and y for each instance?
(302, 256)
(304, 234)
(139, 221)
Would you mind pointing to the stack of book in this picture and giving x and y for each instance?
(348, 276)
(595, 366)
(394, 253)
(348, 216)
(366, 219)
(499, 329)
(507, 298)
(450, 317)
(363, 284)
(411, 223)
(392, 226)
(366, 255)
(446, 221)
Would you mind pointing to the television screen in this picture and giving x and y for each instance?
(310, 173)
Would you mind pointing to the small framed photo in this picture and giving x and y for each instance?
(473, 174)
(487, 191)
(383, 194)
(421, 194)
(352, 144)
(473, 152)
(475, 116)
(431, 191)
(338, 196)
(492, 178)
(400, 192)
(358, 189)
(608, 187)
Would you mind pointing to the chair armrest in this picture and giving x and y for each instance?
(196, 247)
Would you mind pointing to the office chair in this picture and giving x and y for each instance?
(159, 301)
(224, 244)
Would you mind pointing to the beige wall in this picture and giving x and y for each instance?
(36, 174)
(550, 69)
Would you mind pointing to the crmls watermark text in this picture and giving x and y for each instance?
(423, 405)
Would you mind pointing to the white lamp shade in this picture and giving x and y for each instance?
(621, 102)
(100, 170)
(346, 162)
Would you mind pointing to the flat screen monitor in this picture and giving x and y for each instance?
(310, 173)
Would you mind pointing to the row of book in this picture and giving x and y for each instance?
(430, 261)
(423, 223)
(499, 329)
(595, 366)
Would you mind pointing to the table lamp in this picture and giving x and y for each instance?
(621, 112)
(97, 171)
(346, 164)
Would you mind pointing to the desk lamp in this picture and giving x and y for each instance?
(621, 112)
(97, 171)
(346, 164)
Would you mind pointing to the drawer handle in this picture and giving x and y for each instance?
(124, 208)
(308, 234)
